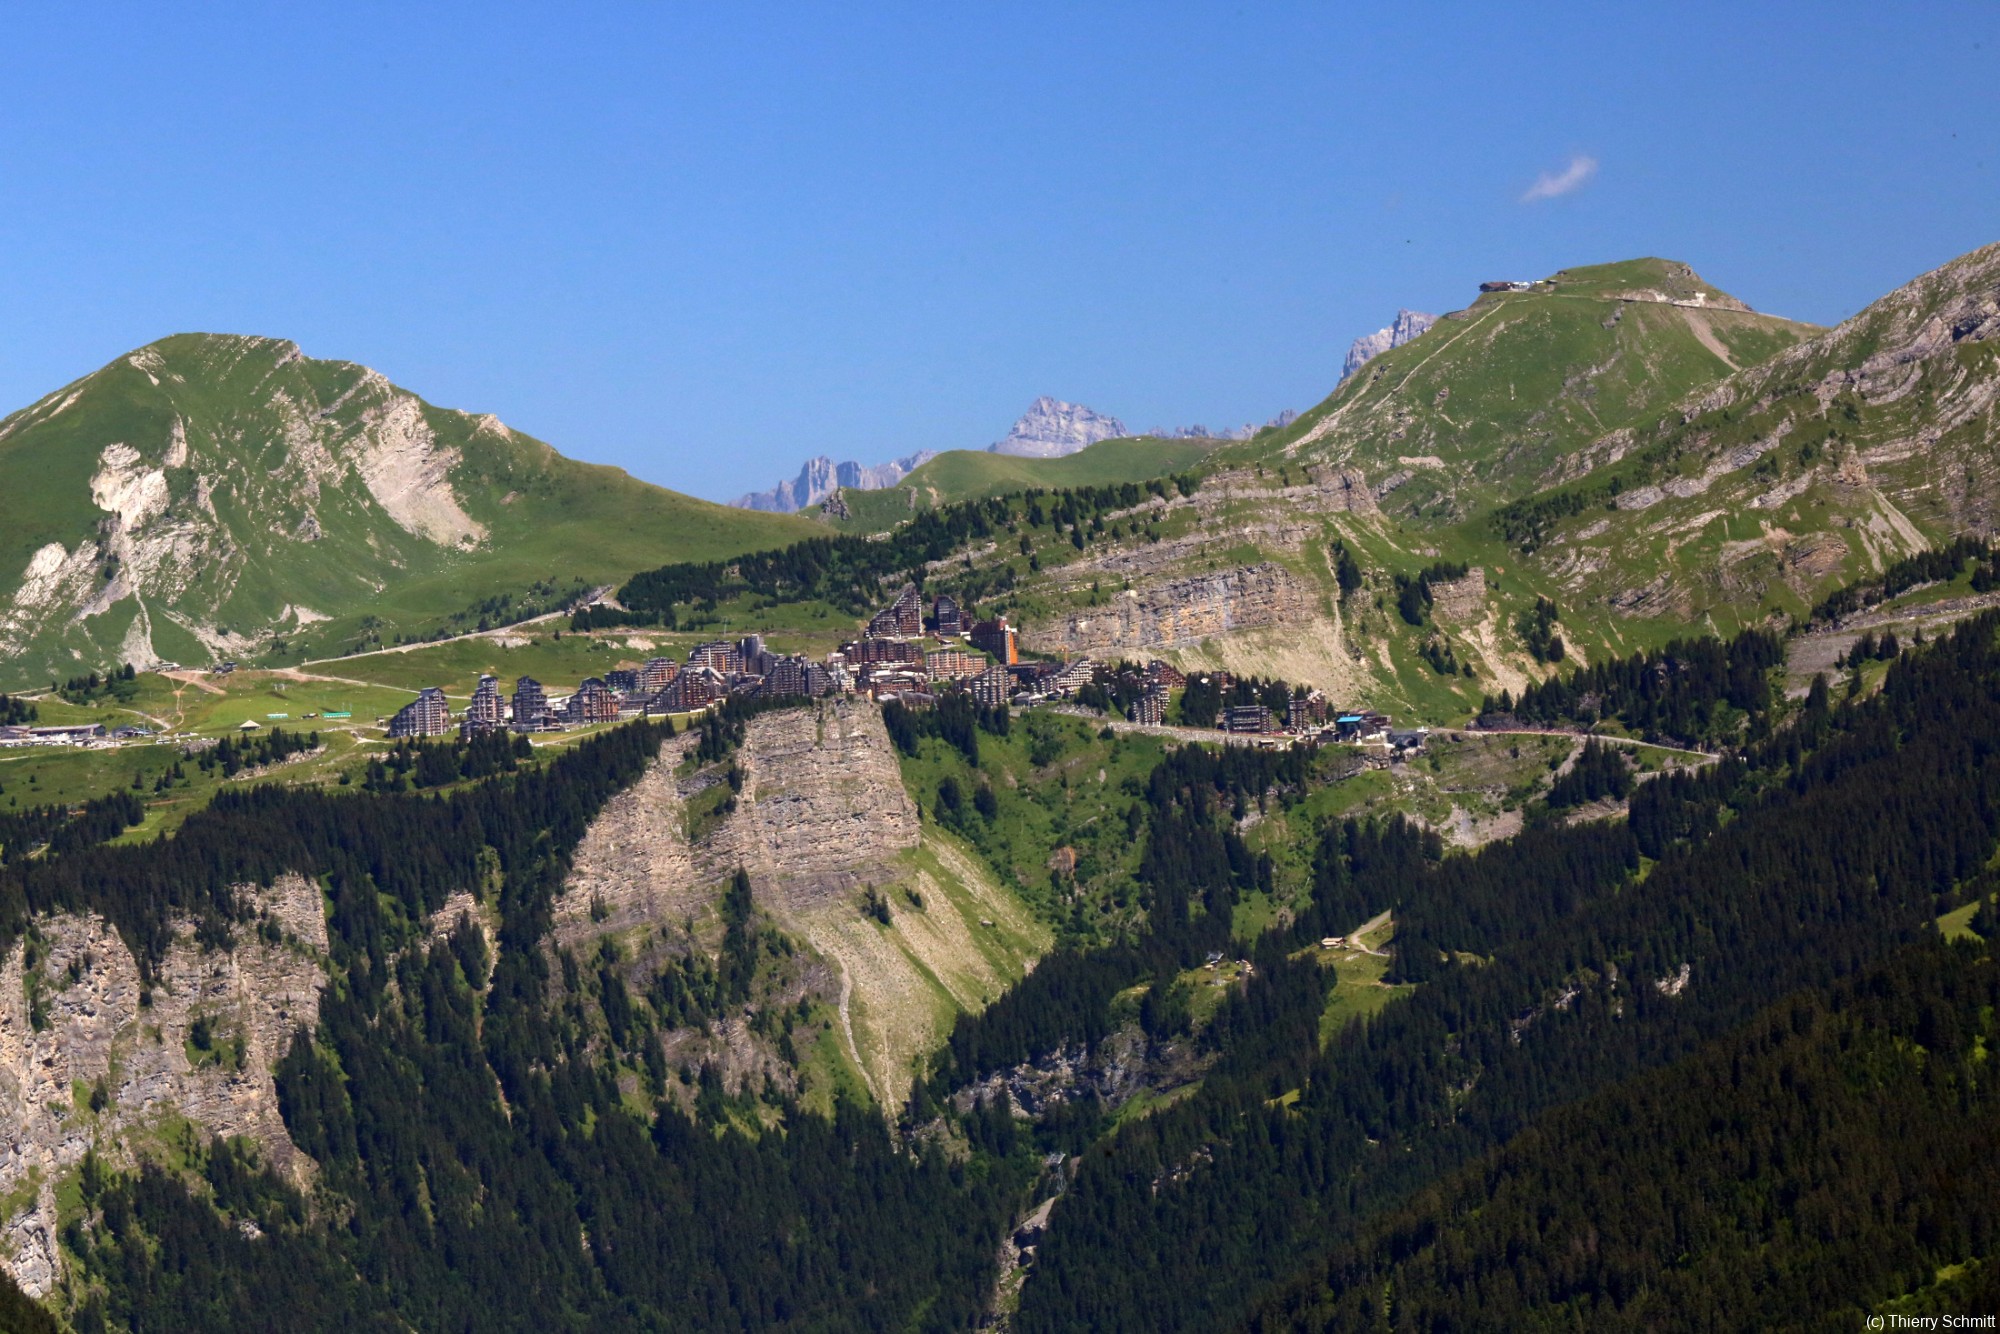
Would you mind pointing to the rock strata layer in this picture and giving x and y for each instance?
(1181, 612)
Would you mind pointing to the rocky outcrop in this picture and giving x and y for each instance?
(821, 812)
(1184, 611)
(1406, 326)
(91, 1057)
(1112, 1071)
(634, 866)
(1460, 601)
(1051, 428)
(822, 478)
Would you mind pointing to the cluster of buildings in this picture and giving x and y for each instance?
(908, 655)
(77, 734)
(894, 658)
(909, 652)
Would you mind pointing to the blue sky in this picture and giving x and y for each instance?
(704, 243)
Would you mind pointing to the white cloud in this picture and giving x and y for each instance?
(1551, 184)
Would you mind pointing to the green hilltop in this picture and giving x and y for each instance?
(213, 496)
(1504, 397)
(967, 474)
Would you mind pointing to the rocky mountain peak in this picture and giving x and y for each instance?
(1407, 325)
(1051, 428)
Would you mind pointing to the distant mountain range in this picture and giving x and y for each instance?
(821, 477)
(1049, 429)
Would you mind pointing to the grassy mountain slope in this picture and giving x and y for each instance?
(1406, 465)
(1497, 400)
(1816, 467)
(207, 493)
(1622, 440)
(966, 474)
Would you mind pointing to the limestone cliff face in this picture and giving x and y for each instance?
(822, 802)
(822, 811)
(821, 821)
(634, 865)
(1180, 612)
(89, 1058)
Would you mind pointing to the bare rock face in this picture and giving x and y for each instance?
(634, 865)
(821, 819)
(1186, 611)
(822, 801)
(87, 1059)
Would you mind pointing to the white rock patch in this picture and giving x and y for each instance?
(410, 477)
(124, 486)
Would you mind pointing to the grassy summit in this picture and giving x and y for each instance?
(1503, 398)
(208, 494)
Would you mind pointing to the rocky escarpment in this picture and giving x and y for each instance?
(822, 804)
(634, 865)
(1234, 508)
(91, 1056)
(1178, 612)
